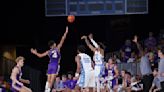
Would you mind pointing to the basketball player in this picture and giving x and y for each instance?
(113, 73)
(17, 81)
(54, 55)
(84, 71)
(98, 58)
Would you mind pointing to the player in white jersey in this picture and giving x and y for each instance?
(98, 58)
(84, 70)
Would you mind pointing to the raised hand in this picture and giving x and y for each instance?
(34, 51)
(83, 37)
(135, 39)
(27, 81)
(90, 36)
(66, 29)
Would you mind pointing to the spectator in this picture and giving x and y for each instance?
(125, 83)
(122, 81)
(71, 84)
(64, 81)
(58, 86)
(145, 67)
(161, 68)
(156, 83)
(132, 58)
(115, 57)
(70, 76)
(127, 50)
(135, 85)
(150, 43)
(153, 61)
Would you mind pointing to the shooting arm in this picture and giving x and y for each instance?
(62, 39)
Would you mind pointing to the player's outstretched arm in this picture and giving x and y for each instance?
(93, 41)
(88, 43)
(135, 40)
(62, 39)
(40, 55)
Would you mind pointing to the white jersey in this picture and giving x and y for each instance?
(98, 58)
(86, 62)
(86, 78)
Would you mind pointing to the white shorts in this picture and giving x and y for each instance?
(86, 80)
(97, 71)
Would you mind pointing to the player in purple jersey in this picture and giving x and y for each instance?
(54, 55)
(17, 81)
(71, 83)
(112, 74)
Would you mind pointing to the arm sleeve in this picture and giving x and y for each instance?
(94, 43)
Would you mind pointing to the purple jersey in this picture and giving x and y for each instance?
(2, 89)
(71, 84)
(54, 56)
(105, 73)
(111, 72)
(64, 84)
(18, 77)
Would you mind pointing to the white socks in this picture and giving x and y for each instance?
(47, 89)
(98, 84)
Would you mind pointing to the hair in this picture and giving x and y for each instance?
(128, 73)
(50, 43)
(81, 48)
(19, 58)
(101, 45)
(114, 61)
(70, 72)
(161, 48)
(124, 70)
(64, 76)
(156, 69)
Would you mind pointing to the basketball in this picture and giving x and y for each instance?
(71, 18)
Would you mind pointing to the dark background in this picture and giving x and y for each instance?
(28, 27)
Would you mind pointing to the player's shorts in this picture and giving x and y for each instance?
(99, 70)
(86, 79)
(52, 68)
(13, 89)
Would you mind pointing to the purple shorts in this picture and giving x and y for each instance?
(114, 82)
(52, 68)
(14, 90)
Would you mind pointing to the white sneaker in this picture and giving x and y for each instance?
(48, 90)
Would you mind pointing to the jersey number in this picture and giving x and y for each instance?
(54, 55)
